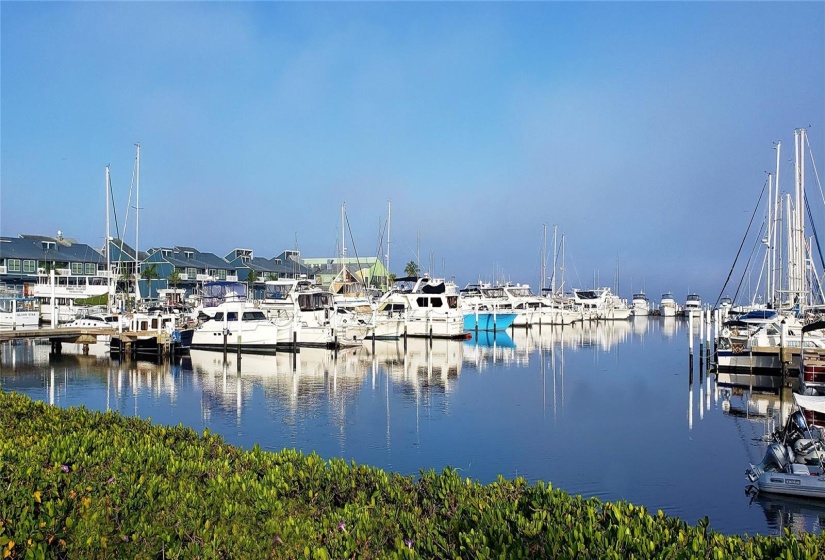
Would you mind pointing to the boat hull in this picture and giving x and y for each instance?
(489, 321)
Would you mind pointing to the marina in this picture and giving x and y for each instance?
(525, 402)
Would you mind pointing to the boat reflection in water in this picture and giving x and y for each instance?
(797, 515)
(670, 326)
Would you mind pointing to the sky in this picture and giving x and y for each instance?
(639, 132)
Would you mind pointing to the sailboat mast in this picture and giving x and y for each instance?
(555, 262)
(776, 282)
(137, 212)
(343, 245)
(389, 207)
(106, 245)
(543, 258)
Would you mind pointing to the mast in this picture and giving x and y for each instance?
(137, 224)
(774, 293)
(555, 261)
(343, 245)
(389, 207)
(543, 259)
(106, 245)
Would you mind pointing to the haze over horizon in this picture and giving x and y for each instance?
(642, 131)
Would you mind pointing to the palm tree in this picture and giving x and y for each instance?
(174, 279)
(411, 269)
(150, 273)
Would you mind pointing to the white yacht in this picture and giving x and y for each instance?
(667, 305)
(640, 305)
(229, 320)
(693, 306)
(601, 304)
(419, 307)
(316, 320)
(59, 290)
(19, 312)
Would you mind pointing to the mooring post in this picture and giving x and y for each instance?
(690, 337)
(239, 354)
(225, 336)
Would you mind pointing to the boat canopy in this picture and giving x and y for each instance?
(810, 402)
(215, 293)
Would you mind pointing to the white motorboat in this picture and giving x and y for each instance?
(782, 472)
(693, 306)
(667, 305)
(419, 307)
(640, 305)
(18, 312)
(316, 320)
(229, 321)
(601, 304)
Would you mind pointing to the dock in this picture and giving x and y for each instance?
(125, 342)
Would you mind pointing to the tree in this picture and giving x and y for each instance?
(271, 276)
(174, 279)
(251, 278)
(411, 269)
(150, 273)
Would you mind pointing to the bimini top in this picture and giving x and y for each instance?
(758, 315)
(810, 402)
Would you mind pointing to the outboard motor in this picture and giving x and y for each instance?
(797, 425)
(776, 458)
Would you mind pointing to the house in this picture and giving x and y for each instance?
(365, 270)
(26, 258)
(192, 267)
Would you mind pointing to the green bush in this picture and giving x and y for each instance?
(81, 484)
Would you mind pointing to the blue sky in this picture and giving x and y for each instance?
(643, 131)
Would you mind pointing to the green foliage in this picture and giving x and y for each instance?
(83, 484)
(411, 269)
(102, 299)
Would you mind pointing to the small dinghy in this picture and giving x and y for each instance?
(794, 463)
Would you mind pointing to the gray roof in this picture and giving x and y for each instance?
(50, 249)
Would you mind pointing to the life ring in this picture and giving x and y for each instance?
(726, 332)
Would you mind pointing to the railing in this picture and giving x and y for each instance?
(231, 277)
(2, 269)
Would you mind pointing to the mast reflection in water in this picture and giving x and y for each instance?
(596, 409)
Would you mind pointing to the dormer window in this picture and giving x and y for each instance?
(189, 254)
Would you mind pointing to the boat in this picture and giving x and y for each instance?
(315, 319)
(763, 342)
(419, 307)
(667, 305)
(781, 472)
(145, 333)
(229, 322)
(693, 306)
(601, 304)
(640, 305)
(18, 312)
(65, 288)
(812, 365)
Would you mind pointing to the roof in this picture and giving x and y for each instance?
(50, 249)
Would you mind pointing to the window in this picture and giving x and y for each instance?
(231, 316)
(254, 316)
(221, 274)
(14, 265)
(30, 266)
(77, 268)
(219, 316)
(191, 272)
(91, 269)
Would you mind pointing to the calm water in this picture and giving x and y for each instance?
(607, 410)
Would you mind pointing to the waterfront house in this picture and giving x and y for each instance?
(366, 270)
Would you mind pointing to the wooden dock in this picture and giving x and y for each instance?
(127, 341)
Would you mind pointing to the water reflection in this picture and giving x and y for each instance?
(526, 402)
